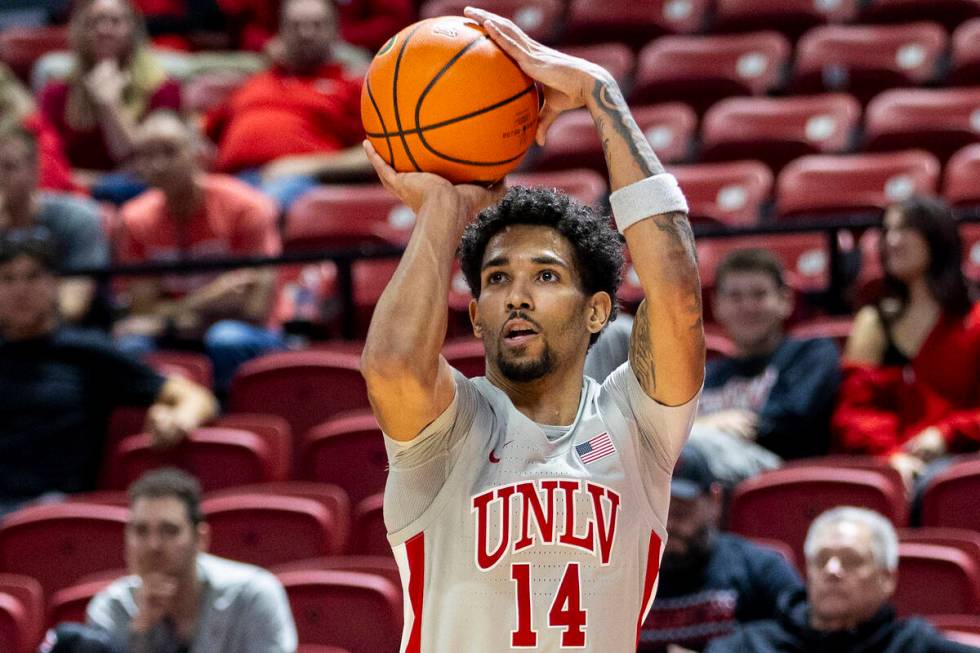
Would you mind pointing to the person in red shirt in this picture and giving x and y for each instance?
(911, 390)
(299, 121)
(190, 215)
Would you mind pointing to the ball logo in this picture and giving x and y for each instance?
(442, 30)
(387, 47)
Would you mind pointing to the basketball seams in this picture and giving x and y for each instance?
(374, 103)
(394, 97)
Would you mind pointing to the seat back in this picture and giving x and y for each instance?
(30, 624)
(338, 216)
(731, 194)
(70, 603)
(805, 257)
(540, 19)
(959, 186)
(348, 451)
(634, 22)
(950, 498)
(587, 186)
(932, 565)
(370, 537)
(791, 17)
(940, 121)
(965, 64)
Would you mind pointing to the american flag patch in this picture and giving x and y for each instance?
(598, 447)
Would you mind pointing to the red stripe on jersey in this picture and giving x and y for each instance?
(653, 570)
(415, 552)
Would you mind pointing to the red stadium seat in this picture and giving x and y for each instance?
(370, 537)
(965, 58)
(792, 17)
(852, 461)
(826, 184)
(466, 355)
(383, 565)
(960, 186)
(273, 430)
(865, 60)
(935, 566)
(950, 498)
(337, 216)
(218, 457)
(316, 648)
(21, 627)
(799, 494)
(731, 194)
(304, 387)
(948, 12)
(347, 450)
(962, 623)
(778, 130)
(70, 603)
(14, 625)
(963, 539)
(587, 186)
(804, 256)
(700, 70)
(615, 57)
(573, 141)
(632, 21)
(59, 543)
(189, 365)
(539, 18)
(940, 121)
(358, 611)
(20, 47)
(208, 91)
(267, 529)
(837, 328)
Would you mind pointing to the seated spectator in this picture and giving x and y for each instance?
(851, 563)
(300, 121)
(772, 399)
(178, 597)
(709, 581)
(59, 385)
(911, 391)
(114, 83)
(74, 223)
(190, 215)
(17, 110)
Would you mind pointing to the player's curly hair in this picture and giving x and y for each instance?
(598, 247)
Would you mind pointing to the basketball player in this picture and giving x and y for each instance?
(526, 509)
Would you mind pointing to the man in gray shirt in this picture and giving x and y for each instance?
(179, 599)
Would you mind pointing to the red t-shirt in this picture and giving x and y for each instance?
(276, 114)
(87, 148)
(54, 172)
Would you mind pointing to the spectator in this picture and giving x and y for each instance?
(114, 83)
(772, 399)
(299, 121)
(190, 215)
(851, 562)
(709, 581)
(17, 110)
(59, 385)
(179, 598)
(912, 377)
(74, 223)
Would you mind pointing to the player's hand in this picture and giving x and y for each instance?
(155, 599)
(568, 81)
(927, 445)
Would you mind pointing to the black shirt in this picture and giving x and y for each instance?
(56, 395)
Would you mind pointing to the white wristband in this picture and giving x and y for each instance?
(646, 198)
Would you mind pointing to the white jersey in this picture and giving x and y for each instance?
(515, 535)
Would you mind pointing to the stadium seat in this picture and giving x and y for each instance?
(587, 186)
(21, 627)
(540, 19)
(347, 450)
(837, 328)
(70, 603)
(316, 648)
(791, 17)
(369, 535)
(731, 194)
(207, 91)
(14, 625)
(950, 498)
(778, 130)
(853, 461)
(935, 566)
(20, 47)
(573, 141)
(824, 184)
(358, 611)
(948, 12)
(615, 57)
(101, 497)
(961, 623)
(382, 565)
(273, 430)
(940, 121)
(340, 216)
(267, 529)
(960, 186)
(303, 387)
(804, 256)
(965, 57)
(218, 457)
(466, 355)
(865, 60)
(799, 494)
(700, 70)
(59, 543)
(965, 540)
(189, 365)
(632, 21)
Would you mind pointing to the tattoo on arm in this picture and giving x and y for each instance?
(682, 257)
(641, 351)
(610, 100)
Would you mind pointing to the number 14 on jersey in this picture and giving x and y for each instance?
(566, 611)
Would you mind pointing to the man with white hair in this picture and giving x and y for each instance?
(851, 565)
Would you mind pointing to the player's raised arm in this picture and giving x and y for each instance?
(667, 342)
(409, 383)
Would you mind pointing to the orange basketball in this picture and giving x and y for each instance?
(441, 97)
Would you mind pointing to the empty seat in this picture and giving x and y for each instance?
(853, 183)
(538, 18)
(303, 387)
(21, 627)
(358, 611)
(778, 130)
(805, 257)
(273, 430)
(338, 216)
(14, 625)
(218, 457)
(379, 565)
(960, 186)
(618, 60)
(587, 186)
(950, 498)
(349, 451)
(59, 543)
(266, 529)
(965, 58)
(940, 121)
(799, 494)
(791, 17)
(864, 60)
(20, 47)
(853, 461)
(922, 566)
(948, 12)
(70, 603)
(731, 194)
(369, 535)
(573, 141)
(631, 21)
(963, 539)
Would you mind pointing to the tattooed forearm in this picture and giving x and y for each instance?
(641, 351)
(610, 101)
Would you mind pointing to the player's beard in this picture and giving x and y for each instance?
(521, 371)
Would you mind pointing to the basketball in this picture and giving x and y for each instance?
(442, 97)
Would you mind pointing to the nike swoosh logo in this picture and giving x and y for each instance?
(493, 458)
